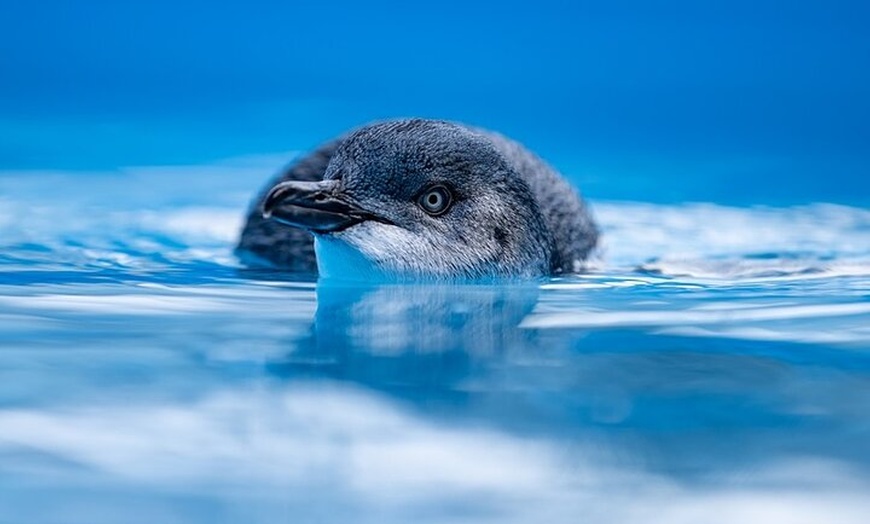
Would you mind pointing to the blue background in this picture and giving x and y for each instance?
(734, 102)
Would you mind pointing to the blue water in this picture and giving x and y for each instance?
(713, 366)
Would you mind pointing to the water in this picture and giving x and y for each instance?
(715, 366)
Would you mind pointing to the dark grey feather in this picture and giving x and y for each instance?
(565, 212)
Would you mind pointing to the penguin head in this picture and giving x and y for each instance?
(420, 199)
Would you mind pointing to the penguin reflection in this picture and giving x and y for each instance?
(393, 334)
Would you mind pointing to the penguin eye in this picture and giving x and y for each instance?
(435, 200)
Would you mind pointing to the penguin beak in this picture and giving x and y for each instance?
(315, 206)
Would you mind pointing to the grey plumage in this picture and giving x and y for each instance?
(512, 214)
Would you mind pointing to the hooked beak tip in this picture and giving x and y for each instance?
(273, 198)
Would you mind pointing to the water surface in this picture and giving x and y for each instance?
(714, 365)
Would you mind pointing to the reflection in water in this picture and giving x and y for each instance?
(398, 319)
(410, 336)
